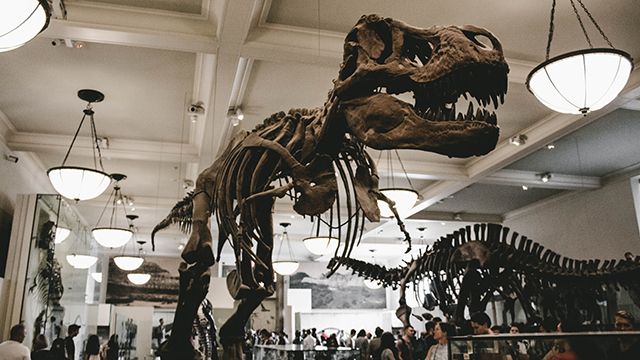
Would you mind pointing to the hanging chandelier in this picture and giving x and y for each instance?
(285, 267)
(81, 261)
(80, 183)
(139, 278)
(580, 81)
(21, 21)
(404, 198)
(62, 234)
(318, 244)
(130, 263)
(113, 236)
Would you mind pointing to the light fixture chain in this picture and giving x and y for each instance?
(404, 170)
(74, 140)
(553, 11)
(584, 31)
(595, 24)
(105, 207)
(95, 134)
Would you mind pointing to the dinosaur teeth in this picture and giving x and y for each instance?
(495, 100)
(469, 112)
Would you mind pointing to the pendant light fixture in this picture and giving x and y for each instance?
(128, 262)
(80, 183)
(403, 197)
(113, 236)
(138, 278)
(81, 261)
(21, 21)
(319, 244)
(62, 234)
(372, 284)
(580, 81)
(285, 267)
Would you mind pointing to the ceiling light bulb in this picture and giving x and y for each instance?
(525, 187)
(518, 140)
(239, 114)
(551, 146)
(545, 177)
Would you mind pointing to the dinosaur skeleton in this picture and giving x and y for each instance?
(318, 157)
(467, 267)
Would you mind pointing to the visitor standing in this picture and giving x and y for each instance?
(441, 334)
(69, 344)
(406, 344)
(113, 348)
(361, 342)
(374, 344)
(39, 348)
(388, 350)
(626, 348)
(13, 349)
(92, 350)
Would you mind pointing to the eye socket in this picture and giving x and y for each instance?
(479, 39)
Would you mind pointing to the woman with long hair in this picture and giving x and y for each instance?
(388, 347)
(440, 351)
(113, 348)
(92, 350)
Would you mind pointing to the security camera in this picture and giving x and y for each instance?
(197, 109)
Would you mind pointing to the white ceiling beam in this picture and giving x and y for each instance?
(231, 72)
(451, 217)
(532, 179)
(117, 149)
(128, 36)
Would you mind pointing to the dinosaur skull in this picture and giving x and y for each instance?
(385, 58)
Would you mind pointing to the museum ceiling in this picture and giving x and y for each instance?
(153, 59)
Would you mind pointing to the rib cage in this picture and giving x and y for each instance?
(514, 264)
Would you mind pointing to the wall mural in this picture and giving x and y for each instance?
(161, 291)
(343, 290)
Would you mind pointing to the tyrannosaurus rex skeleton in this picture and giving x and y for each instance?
(318, 157)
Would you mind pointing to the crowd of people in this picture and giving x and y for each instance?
(60, 349)
(433, 342)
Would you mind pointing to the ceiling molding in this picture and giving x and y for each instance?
(140, 11)
(6, 127)
(424, 170)
(127, 36)
(532, 179)
(117, 149)
(456, 217)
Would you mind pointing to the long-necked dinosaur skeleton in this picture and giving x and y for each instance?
(467, 267)
(305, 151)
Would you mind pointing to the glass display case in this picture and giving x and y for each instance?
(296, 352)
(538, 346)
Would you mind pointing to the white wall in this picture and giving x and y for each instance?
(591, 224)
